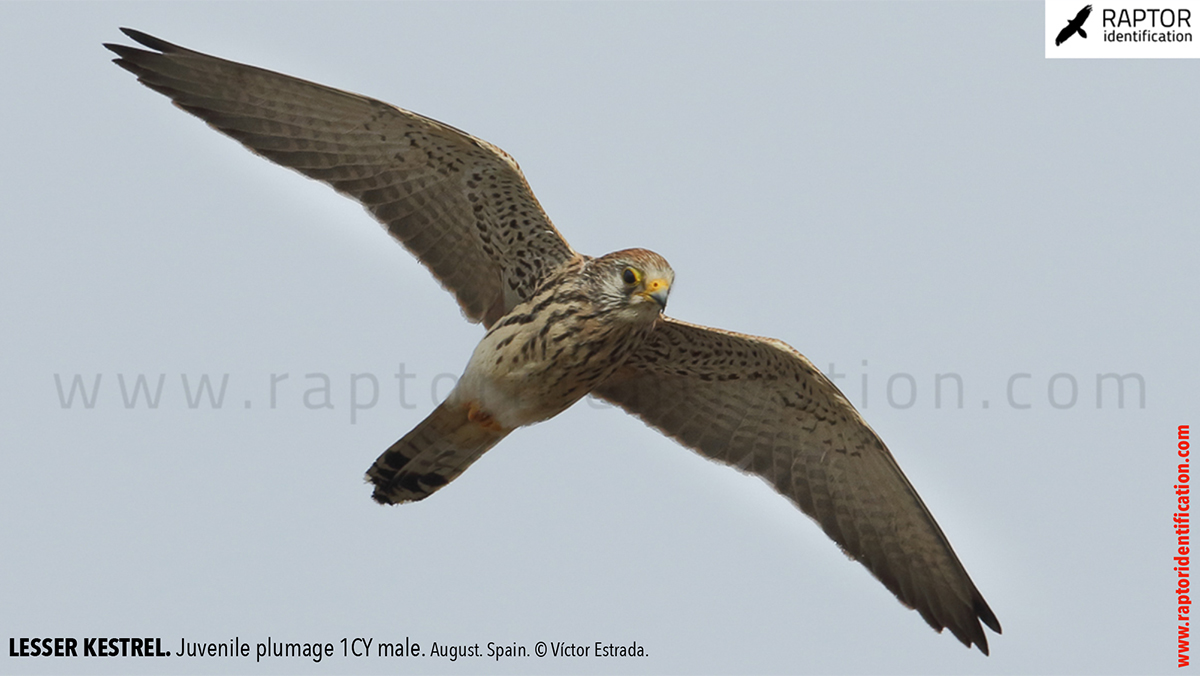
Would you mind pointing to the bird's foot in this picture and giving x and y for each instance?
(482, 418)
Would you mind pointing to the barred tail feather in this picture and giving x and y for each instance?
(432, 455)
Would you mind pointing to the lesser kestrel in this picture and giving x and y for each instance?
(561, 325)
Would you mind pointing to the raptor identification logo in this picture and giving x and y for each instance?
(1122, 29)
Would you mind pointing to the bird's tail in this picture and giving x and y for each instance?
(432, 455)
(1082, 33)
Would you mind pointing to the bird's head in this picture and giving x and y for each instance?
(633, 282)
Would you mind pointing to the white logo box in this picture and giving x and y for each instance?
(1123, 29)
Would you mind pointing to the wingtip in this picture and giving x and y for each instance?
(971, 632)
(984, 612)
(147, 40)
(985, 615)
(131, 58)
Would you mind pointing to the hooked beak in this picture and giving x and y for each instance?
(657, 290)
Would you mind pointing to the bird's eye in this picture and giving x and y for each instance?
(630, 276)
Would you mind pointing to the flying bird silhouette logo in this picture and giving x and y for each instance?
(1074, 26)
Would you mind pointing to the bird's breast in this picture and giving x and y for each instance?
(544, 356)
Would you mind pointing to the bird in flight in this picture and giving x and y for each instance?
(1074, 26)
(562, 325)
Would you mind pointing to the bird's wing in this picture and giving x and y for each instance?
(1082, 15)
(460, 204)
(759, 405)
(1064, 34)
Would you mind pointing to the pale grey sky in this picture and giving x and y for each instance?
(898, 190)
